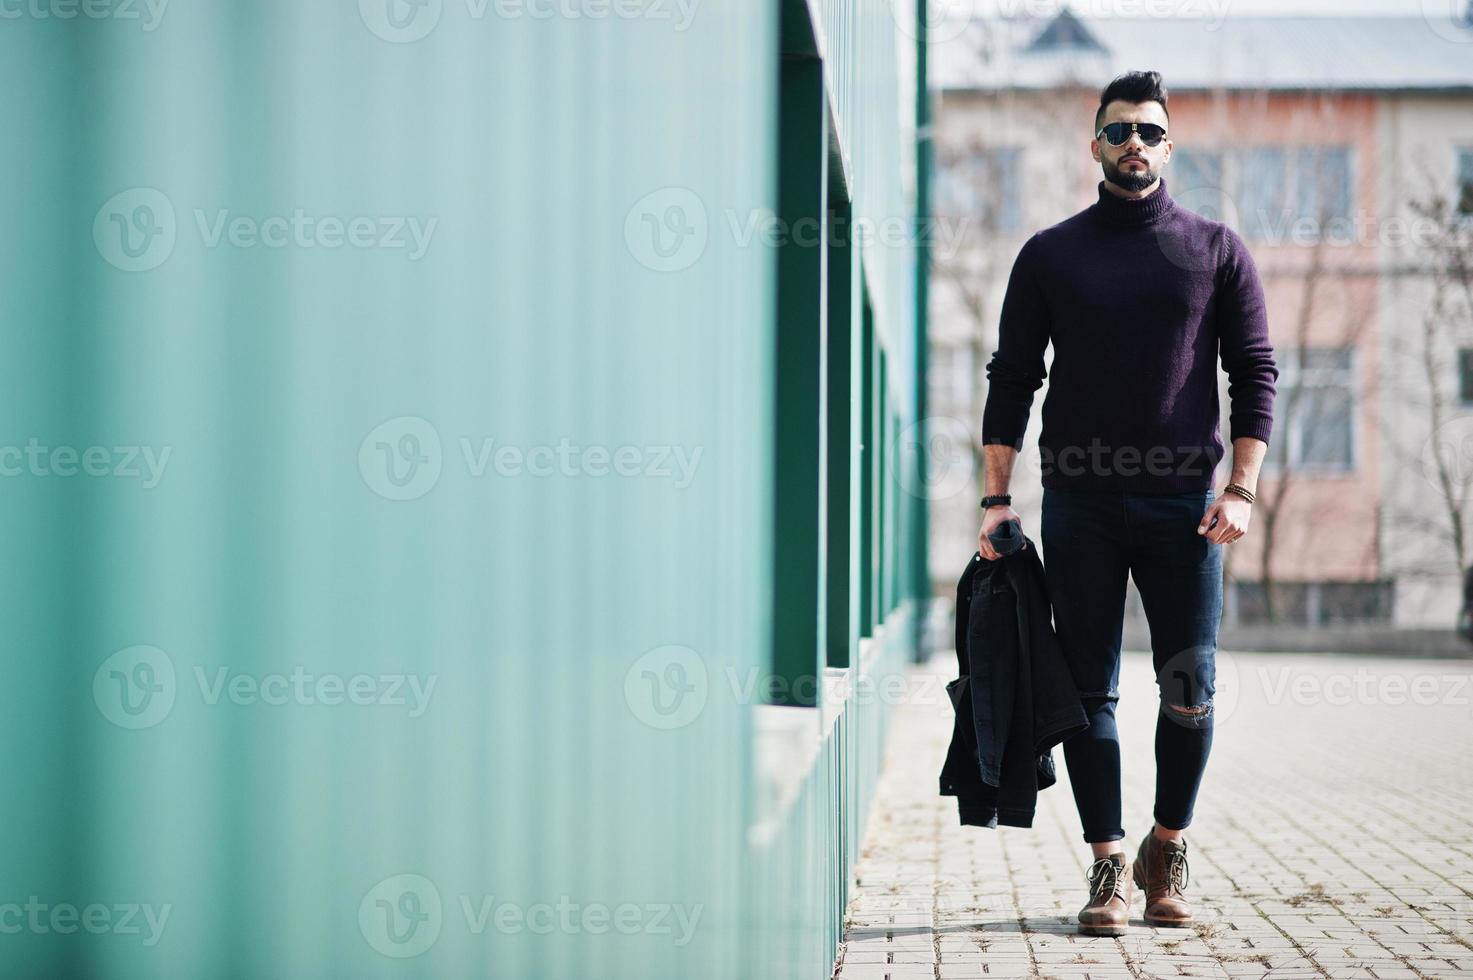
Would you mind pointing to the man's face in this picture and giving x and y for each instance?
(1132, 166)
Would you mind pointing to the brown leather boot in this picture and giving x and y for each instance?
(1160, 870)
(1107, 912)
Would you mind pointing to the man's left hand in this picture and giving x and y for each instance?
(1233, 515)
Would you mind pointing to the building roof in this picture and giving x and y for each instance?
(1201, 53)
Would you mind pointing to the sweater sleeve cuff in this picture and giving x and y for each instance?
(1253, 428)
(1015, 443)
(1000, 432)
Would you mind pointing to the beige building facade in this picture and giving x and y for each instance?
(1332, 173)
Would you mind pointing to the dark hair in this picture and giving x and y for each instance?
(1133, 86)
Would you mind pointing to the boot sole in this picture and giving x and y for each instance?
(1102, 930)
(1140, 882)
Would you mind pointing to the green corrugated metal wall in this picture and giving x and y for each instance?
(205, 660)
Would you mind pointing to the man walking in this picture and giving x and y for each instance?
(1138, 296)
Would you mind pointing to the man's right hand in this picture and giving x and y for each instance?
(991, 518)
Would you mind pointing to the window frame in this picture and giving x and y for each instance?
(1462, 163)
(1289, 157)
(1464, 369)
(956, 190)
(1291, 432)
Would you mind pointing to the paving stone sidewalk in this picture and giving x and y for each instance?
(1333, 837)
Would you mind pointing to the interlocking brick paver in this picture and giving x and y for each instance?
(1333, 837)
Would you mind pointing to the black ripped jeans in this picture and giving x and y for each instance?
(1091, 540)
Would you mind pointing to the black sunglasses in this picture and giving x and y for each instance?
(1119, 132)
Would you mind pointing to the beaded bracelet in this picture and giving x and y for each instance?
(1241, 491)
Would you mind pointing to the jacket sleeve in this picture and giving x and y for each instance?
(1016, 370)
(1247, 356)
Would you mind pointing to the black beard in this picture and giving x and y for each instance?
(1131, 180)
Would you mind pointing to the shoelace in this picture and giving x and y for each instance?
(1176, 869)
(1105, 878)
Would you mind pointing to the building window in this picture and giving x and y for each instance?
(984, 183)
(1316, 402)
(950, 378)
(1327, 603)
(1321, 179)
(1279, 187)
(1465, 180)
(1195, 177)
(1251, 608)
(1465, 374)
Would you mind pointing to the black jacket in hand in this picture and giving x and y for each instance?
(1014, 695)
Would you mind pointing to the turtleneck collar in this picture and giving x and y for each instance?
(1132, 211)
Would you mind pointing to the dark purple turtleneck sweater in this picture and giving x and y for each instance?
(1138, 298)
